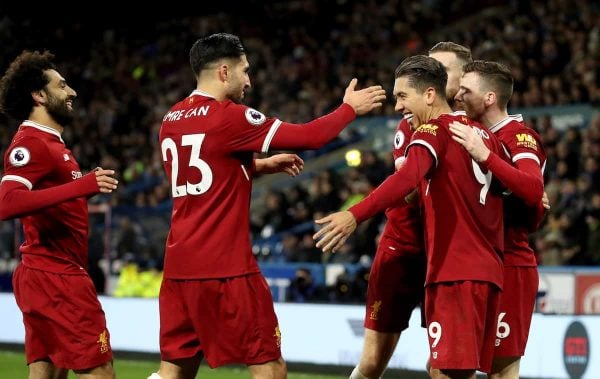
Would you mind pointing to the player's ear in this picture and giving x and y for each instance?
(430, 95)
(490, 98)
(39, 97)
(223, 72)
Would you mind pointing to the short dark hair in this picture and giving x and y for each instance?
(495, 77)
(424, 72)
(211, 48)
(462, 52)
(26, 74)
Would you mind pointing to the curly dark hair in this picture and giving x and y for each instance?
(25, 75)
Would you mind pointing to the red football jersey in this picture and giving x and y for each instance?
(56, 237)
(404, 222)
(463, 217)
(521, 142)
(207, 148)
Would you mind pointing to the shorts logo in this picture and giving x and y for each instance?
(375, 308)
(103, 341)
(277, 335)
(254, 117)
(19, 156)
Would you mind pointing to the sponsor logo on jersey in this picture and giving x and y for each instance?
(103, 342)
(254, 117)
(375, 308)
(576, 349)
(399, 139)
(66, 157)
(526, 140)
(428, 128)
(19, 156)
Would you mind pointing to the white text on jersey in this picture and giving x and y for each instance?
(177, 115)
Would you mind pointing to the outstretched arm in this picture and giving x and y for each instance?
(317, 133)
(392, 192)
(16, 200)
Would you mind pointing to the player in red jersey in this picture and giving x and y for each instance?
(398, 271)
(214, 303)
(463, 223)
(396, 277)
(485, 90)
(43, 185)
(453, 57)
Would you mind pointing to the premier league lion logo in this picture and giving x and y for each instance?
(19, 156)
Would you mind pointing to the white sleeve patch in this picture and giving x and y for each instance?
(19, 156)
(254, 117)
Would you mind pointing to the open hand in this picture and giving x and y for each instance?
(336, 230)
(471, 140)
(364, 100)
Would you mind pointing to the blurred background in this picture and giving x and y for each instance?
(128, 71)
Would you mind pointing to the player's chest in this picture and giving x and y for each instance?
(66, 168)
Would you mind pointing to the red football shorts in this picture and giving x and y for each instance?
(230, 320)
(517, 303)
(396, 287)
(461, 324)
(63, 318)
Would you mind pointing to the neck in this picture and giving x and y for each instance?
(41, 116)
(439, 108)
(211, 87)
(492, 116)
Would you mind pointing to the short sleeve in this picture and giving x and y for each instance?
(248, 129)
(433, 137)
(524, 143)
(27, 161)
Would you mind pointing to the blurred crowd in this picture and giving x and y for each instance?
(302, 55)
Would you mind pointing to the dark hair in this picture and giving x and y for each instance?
(211, 48)
(495, 77)
(26, 74)
(462, 52)
(424, 72)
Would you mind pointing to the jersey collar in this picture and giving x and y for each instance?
(201, 93)
(43, 128)
(503, 123)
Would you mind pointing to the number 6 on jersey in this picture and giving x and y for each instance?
(195, 141)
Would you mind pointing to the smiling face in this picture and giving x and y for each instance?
(410, 101)
(60, 96)
(239, 80)
(471, 95)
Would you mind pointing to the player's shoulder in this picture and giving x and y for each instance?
(405, 124)
(514, 125)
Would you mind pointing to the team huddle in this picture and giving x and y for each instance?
(467, 191)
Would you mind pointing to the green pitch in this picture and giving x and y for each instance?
(12, 366)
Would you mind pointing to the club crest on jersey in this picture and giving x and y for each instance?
(398, 139)
(254, 117)
(19, 156)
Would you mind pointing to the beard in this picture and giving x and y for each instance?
(59, 111)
